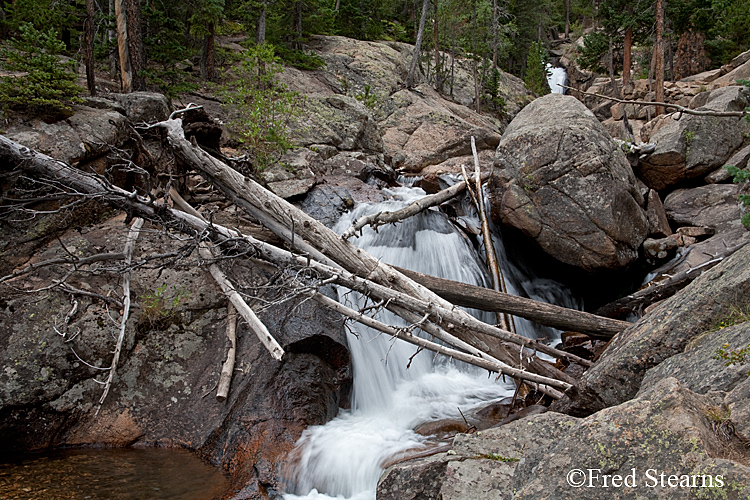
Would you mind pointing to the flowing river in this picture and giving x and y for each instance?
(396, 390)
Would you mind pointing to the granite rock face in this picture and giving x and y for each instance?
(564, 182)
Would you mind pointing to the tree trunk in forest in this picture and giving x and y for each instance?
(417, 45)
(89, 47)
(260, 31)
(626, 57)
(135, 44)
(659, 56)
(494, 34)
(126, 76)
(436, 40)
(474, 58)
(612, 80)
(112, 38)
(207, 57)
(298, 25)
(567, 19)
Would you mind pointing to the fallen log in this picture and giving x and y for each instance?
(255, 324)
(422, 204)
(636, 302)
(337, 251)
(485, 299)
(227, 369)
(17, 156)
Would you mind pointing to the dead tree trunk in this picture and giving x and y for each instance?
(89, 46)
(417, 46)
(659, 56)
(382, 218)
(383, 281)
(126, 76)
(462, 294)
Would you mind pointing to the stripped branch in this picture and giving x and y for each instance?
(422, 204)
(128, 252)
(680, 109)
(545, 384)
(227, 369)
(255, 324)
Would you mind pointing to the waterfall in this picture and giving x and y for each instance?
(555, 78)
(394, 389)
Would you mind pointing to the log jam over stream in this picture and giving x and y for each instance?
(396, 390)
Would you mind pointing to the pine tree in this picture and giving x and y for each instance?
(536, 70)
(44, 84)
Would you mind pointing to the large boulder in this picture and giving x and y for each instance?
(145, 107)
(692, 146)
(421, 128)
(662, 333)
(563, 181)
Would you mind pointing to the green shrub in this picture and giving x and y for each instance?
(261, 107)
(536, 70)
(742, 177)
(43, 84)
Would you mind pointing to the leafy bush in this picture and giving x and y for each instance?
(43, 84)
(261, 107)
(741, 177)
(536, 70)
(595, 45)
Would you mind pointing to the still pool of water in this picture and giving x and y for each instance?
(110, 474)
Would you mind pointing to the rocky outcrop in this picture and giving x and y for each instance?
(695, 145)
(713, 207)
(175, 344)
(672, 423)
(358, 102)
(87, 134)
(664, 332)
(659, 445)
(563, 181)
(339, 121)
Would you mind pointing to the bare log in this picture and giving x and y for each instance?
(407, 336)
(18, 156)
(255, 324)
(128, 252)
(498, 280)
(422, 204)
(558, 317)
(680, 109)
(636, 302)
(227, 368)
(337, 251)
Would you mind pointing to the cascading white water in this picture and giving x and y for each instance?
(555, 78)
(394, 389)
